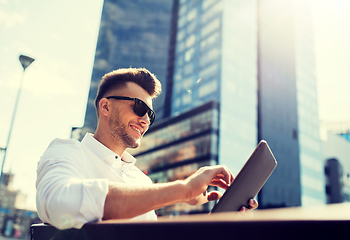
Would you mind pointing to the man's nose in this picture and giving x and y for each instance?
(145, 119)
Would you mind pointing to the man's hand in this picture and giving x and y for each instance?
(247, 212)
(219, 176)
(197, 184)
(253, 204)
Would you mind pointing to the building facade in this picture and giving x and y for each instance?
(216, 59)
(336, 154)
(334, 180)
(341, 128)
(265, 84)
(15, 221)
(310, 144)
(253, 57)
(132, 34)
(288, 117)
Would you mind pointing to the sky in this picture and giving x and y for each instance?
(61, 35)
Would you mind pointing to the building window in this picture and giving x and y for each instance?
(208, 88)
(181, 22)
(189, 54)
(210, 40)
(209, 71)
(181, 152)
(209, 56)
(198, 123)
(210, 27)
(192, 14)
(186, 98)
(211, 11)
(190, 40)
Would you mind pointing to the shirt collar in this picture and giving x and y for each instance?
(107, 155)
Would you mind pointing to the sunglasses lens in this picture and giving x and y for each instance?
(151, 116)
(141, 109)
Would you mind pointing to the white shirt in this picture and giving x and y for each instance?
(72, 181)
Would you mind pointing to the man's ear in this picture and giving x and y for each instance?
(104, 107)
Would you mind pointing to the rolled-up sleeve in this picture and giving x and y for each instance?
(65, 197)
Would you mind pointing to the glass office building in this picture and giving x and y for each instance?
(256, 59)
(310, 152)
(288, 117)
(132, 34)
(278, 113)
(216, 58)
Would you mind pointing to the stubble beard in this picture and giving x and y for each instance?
(119, 133)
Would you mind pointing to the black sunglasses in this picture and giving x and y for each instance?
(140, 108)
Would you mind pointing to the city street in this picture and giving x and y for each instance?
(5, 238)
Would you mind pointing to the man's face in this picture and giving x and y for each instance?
(125, 126)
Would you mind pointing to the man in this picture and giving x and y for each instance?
(79, 182)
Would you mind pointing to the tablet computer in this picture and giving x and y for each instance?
(249, 180)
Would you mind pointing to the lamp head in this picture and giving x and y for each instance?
(25, 61)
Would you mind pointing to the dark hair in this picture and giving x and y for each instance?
(119, 78)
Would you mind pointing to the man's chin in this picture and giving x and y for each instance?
(135, 144)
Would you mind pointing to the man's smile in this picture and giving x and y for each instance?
(138, 129)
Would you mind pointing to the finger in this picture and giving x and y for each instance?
(253, 204)
(221, 178)
(231, 177)
(225, 174)
(243, 209)
(213, 196)
(245, 212)
(228, 179)
(219, 183)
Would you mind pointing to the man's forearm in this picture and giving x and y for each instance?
(128, 201)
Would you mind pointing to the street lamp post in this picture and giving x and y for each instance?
(25, 62)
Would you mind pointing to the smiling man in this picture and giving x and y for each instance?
(96, 179)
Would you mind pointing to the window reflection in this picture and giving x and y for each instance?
(184, 151)
(187, 127)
